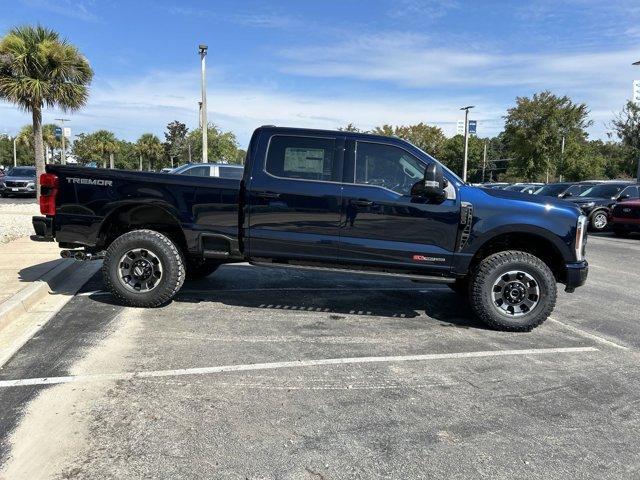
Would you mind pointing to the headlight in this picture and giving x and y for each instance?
(581, 238)
(589, 205)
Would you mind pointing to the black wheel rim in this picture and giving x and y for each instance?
(515, 293)
(140, 270)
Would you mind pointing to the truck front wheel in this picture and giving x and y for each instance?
(143, 268)
(513, 291)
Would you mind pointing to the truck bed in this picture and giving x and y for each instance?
(88, 198)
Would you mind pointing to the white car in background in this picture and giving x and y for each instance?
(220, 170)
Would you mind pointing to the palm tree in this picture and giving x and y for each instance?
(38, 69)
(150, 147)
(103, 143)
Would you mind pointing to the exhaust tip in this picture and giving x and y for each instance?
(79, 255)
(65, 254)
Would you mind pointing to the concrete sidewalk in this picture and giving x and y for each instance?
(35, 283)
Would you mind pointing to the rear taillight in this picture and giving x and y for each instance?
(48, 192)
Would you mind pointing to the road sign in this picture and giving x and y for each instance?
(67, 132)
(473, 127)
(58, 132)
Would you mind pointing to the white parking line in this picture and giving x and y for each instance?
(588, 335)
(293, 364)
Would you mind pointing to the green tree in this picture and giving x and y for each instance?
(49, 140)
(426, 137)
(98, 147)
(627, 126)
(452, 155)
(176, 141)
(38, 69)
(533, 133)
(150, 148)
(385, 130)
(350, 127)
(222, 146)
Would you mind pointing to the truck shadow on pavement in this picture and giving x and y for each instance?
(338, 294)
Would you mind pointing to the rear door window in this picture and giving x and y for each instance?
(302, 158)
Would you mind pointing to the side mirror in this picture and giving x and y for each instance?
(623, 197)
(566, 195)
(433, 184)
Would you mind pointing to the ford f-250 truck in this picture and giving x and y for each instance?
(321, 200)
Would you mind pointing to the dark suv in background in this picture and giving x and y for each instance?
(597, 201)
(564, 189)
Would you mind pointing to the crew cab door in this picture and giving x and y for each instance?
(294, 198)
(382, 224)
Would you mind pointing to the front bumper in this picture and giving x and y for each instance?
(576, 275)
(18, 190)
(43, 227)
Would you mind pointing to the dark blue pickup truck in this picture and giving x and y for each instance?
(321, 200)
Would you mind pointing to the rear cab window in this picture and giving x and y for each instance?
(303, 158)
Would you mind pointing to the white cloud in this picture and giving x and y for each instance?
(130, 107)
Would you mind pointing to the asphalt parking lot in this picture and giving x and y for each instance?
(264, 373)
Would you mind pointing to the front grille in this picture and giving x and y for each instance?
(15, 184)
(626, 211)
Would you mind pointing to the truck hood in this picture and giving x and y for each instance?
(527, 197)
(630, 203)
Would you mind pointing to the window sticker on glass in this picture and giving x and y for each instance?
(304, 160)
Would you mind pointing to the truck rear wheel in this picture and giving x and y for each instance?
(513, 291)
(143, 268)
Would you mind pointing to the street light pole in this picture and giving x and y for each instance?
(203, 54)
(15, 157)
(466, 141)
(484, 161)
(63, 157)
(638, 171)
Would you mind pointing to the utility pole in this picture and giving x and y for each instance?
(15, 157)
(203, 53)
(189, 148)
(484, 161)
(466, 141)
(63, 157)
(561, 159)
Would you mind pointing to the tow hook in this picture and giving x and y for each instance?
(569, 289)
(81, 255)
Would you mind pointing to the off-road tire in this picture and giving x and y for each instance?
(201, 268)
(491, 269)
(173, 273)
(592, 220)
(461, 286)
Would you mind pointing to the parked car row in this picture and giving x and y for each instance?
(598, 199)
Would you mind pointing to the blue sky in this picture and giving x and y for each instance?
(326, 63)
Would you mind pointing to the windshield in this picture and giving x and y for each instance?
(602, 191)
(515, 188)
(181, 168)
(22, 172)
(552, 190)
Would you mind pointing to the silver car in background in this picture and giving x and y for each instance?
(19, 181)
(221, 170)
